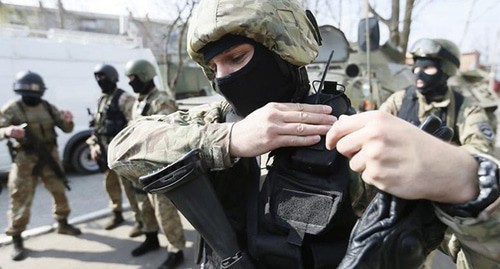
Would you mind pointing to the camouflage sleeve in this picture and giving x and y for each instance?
(392, 104)
(361, 193)
(479, 237)
(476, 132)
(66, 127)
(155, 141)
(7, 116)
(163, 104)
(126, 104)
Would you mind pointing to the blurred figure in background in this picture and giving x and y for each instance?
(151, 101)
(114, 109)
(31, 122)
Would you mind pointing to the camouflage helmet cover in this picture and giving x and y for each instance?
(143, 69)
(28, 83)
(443, 50)
(280, 25)
(108, 70)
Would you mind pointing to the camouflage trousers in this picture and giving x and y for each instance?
(113, 184)
(22, 185)
(147, 212)
(158, 210)
(170, 221)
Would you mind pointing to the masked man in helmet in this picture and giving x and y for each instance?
(254, 53)
(152, 101)
(435, 61)
(31, 122)
(114, 110)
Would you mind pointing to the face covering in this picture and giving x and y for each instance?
(259, 82)
(435, 86)
(31, 100)
(106, 86)
(140, 87)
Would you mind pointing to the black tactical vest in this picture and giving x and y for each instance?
(409, 110)
(300, 216)
(112, 119)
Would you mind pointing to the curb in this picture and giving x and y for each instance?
(7, 240)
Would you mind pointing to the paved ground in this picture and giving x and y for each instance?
(96, 248)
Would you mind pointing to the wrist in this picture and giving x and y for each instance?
(488, 189)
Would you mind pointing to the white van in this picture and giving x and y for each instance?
(66, 61)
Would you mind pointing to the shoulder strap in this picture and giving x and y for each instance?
(459, 100)
(20, 106)
(409, 107)
(49, 109)
(116, 97)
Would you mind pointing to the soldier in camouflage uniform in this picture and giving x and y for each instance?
(432, 95)
(41, 117)
(113, 113)
(435, 61)
(152, 101)
(253, 53)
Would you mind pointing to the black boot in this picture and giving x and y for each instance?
(173, 260)
(115, 222)
(65, 228)
(19, 253)
(151, 243)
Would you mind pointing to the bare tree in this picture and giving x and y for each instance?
(396, 37)
(176, 32)
(398, 22)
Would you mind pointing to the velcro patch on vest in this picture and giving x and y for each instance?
(308, 212)
(486, 130)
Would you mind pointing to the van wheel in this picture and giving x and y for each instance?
(81, 161)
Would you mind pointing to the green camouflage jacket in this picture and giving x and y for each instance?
(41, 119)
(155, 102)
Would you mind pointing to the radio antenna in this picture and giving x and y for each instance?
(323, 77)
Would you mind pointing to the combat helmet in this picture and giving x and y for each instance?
(108, 71)
(143, 69)
(28, 83)
(281, 26)
(441, 49)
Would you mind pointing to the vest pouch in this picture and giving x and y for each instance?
(315, 159)
(299, 203)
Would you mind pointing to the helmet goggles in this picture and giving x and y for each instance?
(432, 49)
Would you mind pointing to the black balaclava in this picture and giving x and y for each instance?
(435, 86)
(260, 81)
(30, 100)
(107, 86)
(140, 87)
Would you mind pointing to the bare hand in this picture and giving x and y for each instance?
(397, 157)
(95, 152)
(67, 116)
(15, 131)
(280, 125)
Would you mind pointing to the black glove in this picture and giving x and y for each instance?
(397, 233)
(393, 233)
